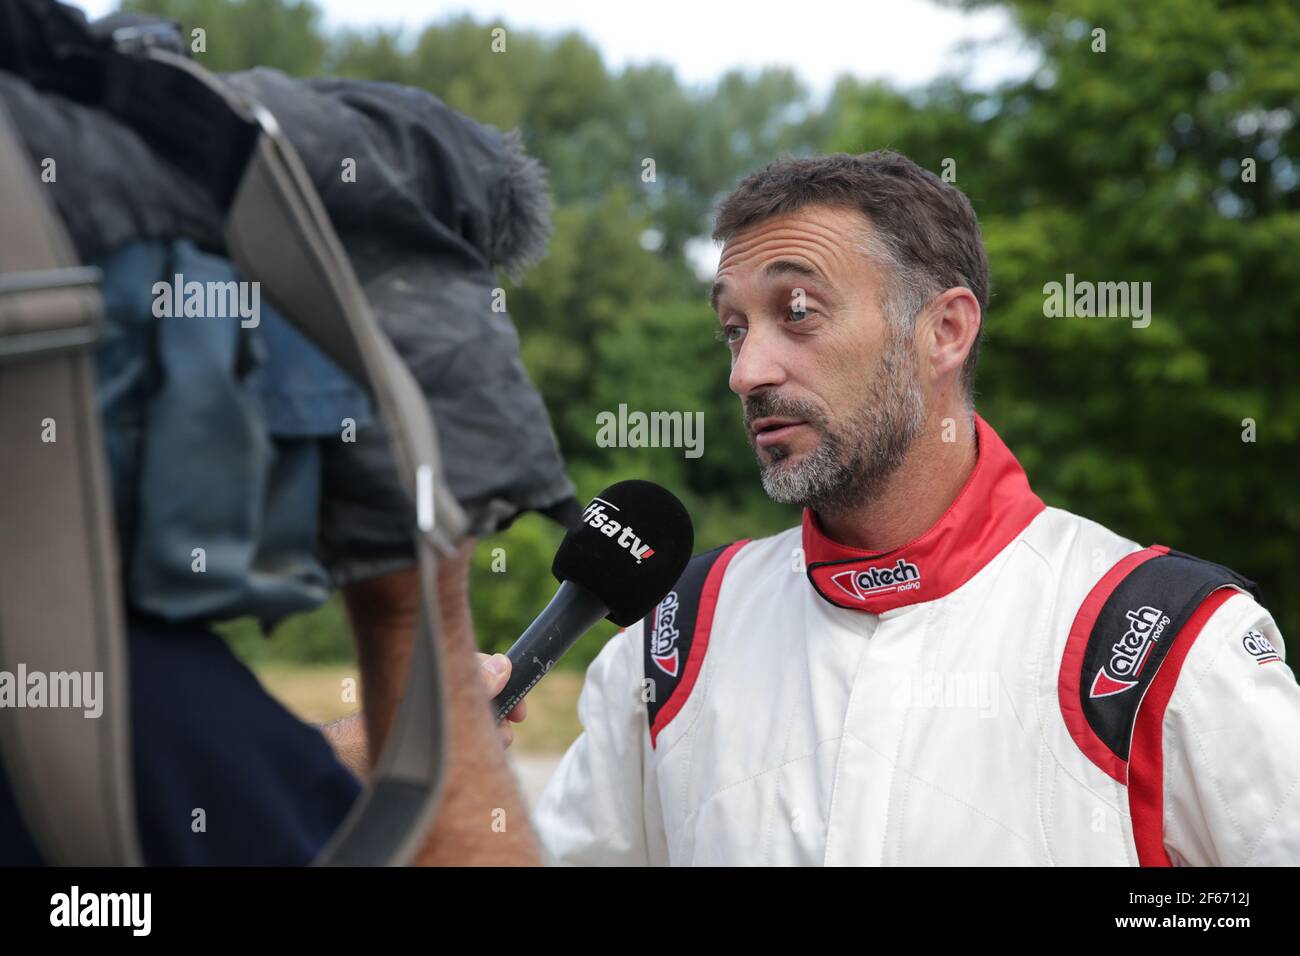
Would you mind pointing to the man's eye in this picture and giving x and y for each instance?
(798, 315)
(724, 334)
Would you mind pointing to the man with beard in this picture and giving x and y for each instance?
(934, 668)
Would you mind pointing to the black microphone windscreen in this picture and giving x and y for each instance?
(632, 545)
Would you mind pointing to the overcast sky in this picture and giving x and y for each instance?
(904, 41)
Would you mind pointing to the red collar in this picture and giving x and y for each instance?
(994, 506)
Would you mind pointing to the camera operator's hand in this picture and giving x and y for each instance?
(495, 669)
(479, 782)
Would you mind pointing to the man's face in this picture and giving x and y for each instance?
(829, 385)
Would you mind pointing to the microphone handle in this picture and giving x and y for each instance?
(572, 612)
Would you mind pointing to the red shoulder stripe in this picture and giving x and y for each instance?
(1076, 644)
(1146, 785)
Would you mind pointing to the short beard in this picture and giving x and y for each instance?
(852, 462)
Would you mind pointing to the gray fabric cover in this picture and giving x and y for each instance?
(440, 205)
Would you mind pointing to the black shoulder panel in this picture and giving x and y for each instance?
(670, 630)
(1130, 634)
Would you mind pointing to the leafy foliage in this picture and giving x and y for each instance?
(1122, 165)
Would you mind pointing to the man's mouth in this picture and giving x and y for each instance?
(770, 431)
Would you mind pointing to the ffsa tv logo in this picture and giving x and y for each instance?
(596, 516)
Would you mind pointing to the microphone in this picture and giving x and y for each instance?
(629, 548)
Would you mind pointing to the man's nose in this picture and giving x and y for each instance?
(758, 363)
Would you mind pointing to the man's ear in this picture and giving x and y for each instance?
(954, 321)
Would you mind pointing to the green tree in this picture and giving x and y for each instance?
(1127, 165)
(239, 34)
(1122, 165)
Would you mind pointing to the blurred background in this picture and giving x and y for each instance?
(1162, 150)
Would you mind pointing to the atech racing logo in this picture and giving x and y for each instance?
(664, 634)
(1261, 648)
(1130, 653)
(862, 583)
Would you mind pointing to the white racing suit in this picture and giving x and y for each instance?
(983, 695)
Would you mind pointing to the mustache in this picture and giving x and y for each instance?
(771, 405)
